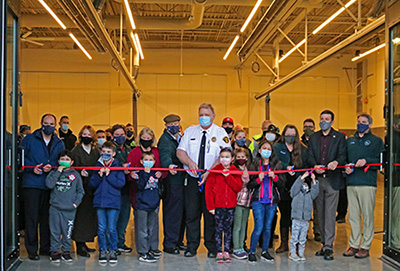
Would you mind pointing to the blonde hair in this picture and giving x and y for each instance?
(150, 132)
(92, 132)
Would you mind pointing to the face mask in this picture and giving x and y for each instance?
(146, 143)
(119, 140)
(266, 154)
(48, 130)
(106, 156)
(325, 125)
(108, 138)
(64, 163)
(205, 121)
(101, 141)
(225, 161)
(290, 139)
(308, 131)
(361, 127)
(129, 133)
(228, 130)
(86, 140)
(270, 137)
(241, 162)
(173, 129)
(148, 164)
(65, 127)
(305, 187)
(241, 142)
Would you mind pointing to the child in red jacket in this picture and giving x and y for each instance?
(221, 199)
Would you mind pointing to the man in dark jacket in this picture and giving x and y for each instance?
(41, 153)
(327, 148)
(66, 134)
(173, 184)
(362, 148)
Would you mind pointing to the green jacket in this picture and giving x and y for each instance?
(167, 146)
(369, 148)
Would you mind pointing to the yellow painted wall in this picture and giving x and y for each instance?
(65, 82)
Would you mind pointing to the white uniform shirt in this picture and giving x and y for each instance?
(216, 139)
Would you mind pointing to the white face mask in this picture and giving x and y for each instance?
(225, 161)
(270, 137)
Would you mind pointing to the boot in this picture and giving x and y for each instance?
(81, 249)
(284, 241)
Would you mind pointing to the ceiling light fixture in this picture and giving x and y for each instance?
(231, 47)
(368, 52)
(291, 50)
(130, 15)
(252, 13)
(337, 13)
(80, 46)
(52, 14)
(136, 42)
(396, 40)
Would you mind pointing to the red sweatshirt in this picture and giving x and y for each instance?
(134, 158)
(221, 191)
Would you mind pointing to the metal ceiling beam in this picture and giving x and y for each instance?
(317, 60)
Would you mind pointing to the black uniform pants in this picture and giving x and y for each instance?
(173, 206)
(37, 213)
(195, 206)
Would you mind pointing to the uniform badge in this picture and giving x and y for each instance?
(71, 177)
(367, 143)
(213, 139)
(226, 139)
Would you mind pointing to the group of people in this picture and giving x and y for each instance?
(207, 170)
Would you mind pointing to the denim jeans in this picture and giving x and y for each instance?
(123, 219)
(107, 228)
(299, 236)
(263, 215)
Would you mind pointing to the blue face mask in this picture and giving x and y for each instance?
(48, 130)
(65, 127)
(205, 121)
(173, 129)
(325, 125)
(148, 164)
(101, 141)
(119, 140)
(241, 142)
(266, 153)
(106, 156)
(361, 127)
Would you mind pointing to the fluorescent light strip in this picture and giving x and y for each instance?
(231, 47)
(337, 13)
(52, 14)
(136, 42)
(292, 50)
(369, 52)
(80, 46)
(130, 15)
(396, 40)
(252, 13)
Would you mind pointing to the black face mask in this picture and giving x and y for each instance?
(228, 130)
(86, 140)
(146, 143)
(108, 138)
(129, 133)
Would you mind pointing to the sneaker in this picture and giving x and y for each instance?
(239, 254)
(66, 257)
(113, 256)
(227, 259)
(301, 256)
(252, 257)
(267, 257)
(55, 257)
(220, 257)
(125, 249)
(147, 258)
(294, 257)
(102, 256)
(156, 253)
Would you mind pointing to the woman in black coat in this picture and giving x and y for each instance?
(85, 153)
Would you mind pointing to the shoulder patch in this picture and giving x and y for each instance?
(226, 139)
(367, 143)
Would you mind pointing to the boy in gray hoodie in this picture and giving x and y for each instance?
(66, 195)
(302, 206)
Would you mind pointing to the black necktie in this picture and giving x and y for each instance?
(202, 152)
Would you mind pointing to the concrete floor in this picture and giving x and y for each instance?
(179, 262)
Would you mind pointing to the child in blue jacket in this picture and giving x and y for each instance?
(107, 200)
(146, 212)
